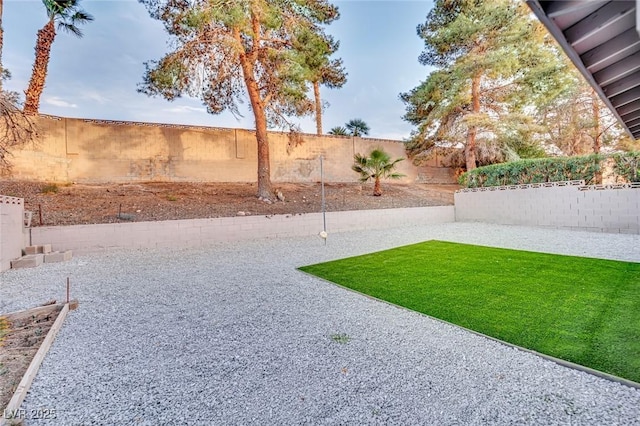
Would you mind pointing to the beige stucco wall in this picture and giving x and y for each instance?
(92, 151)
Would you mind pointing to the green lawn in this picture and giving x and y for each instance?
(582, 310)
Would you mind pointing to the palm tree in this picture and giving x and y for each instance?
(377, 166)
(67, 14)
(357, 127)
(339, 131)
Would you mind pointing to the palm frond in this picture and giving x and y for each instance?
(377, 165)
(69, 28)
(81, 17)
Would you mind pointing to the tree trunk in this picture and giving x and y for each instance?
(596, 119)
(36, 85)
(265, 189)
(376, 187)
(316, 94)
(596, 132)
(470, 149)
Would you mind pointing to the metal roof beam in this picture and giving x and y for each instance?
(607, 15)
(628, 109)
(626, 43)
(633, 123)
(631, 116)
(559, 8)
(620, 69)
(626, 97)
(559, 35)
(622, 85)
(634, 129)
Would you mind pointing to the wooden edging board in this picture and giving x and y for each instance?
(24, 385)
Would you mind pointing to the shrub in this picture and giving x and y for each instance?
(627, 166)
(534, 171)
(50, 188)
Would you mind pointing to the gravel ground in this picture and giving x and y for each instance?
(233, 334)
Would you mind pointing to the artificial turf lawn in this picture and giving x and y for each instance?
(582, 310)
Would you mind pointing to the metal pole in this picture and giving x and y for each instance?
(324, 218)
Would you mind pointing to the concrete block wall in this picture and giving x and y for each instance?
(11, 226)
(608, 208)
(101, 151)
(199, 232)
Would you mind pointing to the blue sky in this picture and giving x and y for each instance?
(96, 76)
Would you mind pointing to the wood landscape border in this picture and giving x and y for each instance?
(23, 387)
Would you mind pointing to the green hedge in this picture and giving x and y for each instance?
(534, 171)
(627, 166)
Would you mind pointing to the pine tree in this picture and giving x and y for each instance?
(226, 50)
(493, 64)
(579, 123)
(322, 69)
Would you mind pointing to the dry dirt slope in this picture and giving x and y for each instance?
(82, 204)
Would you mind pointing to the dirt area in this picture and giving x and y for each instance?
(21, 334)
(60, 204)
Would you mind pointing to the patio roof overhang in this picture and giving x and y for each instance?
(601, 39)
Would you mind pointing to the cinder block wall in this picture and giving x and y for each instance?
(200, 232)
(614, 208)
(96, 151)
(11, 225)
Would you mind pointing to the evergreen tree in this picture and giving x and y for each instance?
(579, 123)
(226, 50)
(493, 65)
(322, 69)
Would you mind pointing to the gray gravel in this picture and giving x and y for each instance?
(233, 334)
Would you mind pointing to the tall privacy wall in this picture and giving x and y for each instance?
(96, 151)
(603, 208)
(11, 226)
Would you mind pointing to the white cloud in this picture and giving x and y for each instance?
(95, 96)
(56, 101)
(185, 109)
